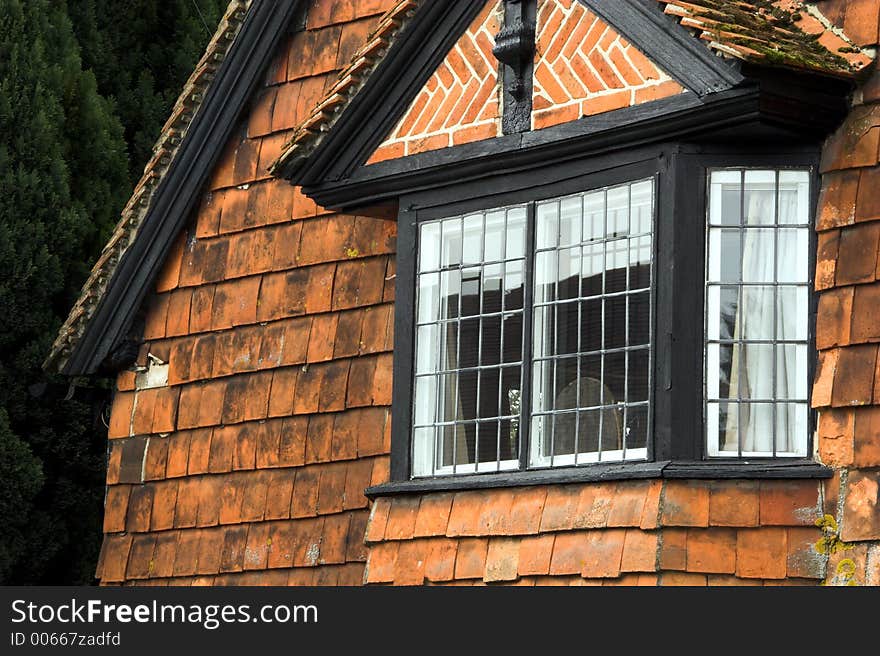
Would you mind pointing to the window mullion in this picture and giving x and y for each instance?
(525, 410)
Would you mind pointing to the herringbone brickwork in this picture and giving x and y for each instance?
(459, 104)
(583, 67)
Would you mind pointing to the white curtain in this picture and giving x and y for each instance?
(752, 366)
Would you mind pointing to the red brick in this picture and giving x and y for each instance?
(685, 504)
(761, 553)
(603, 553)
(861, 518)
(470, 561)
(640, 551)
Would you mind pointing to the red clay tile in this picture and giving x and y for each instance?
(210, 551)
(683, 579)
(267, 436)
(535, 553)
(673, 549)
(253, 502)
(331, 488)
(560, 507)
(433, 514)
(256, 554)
(156, 458)
(628, 503)
(292, 445)
(144, 403)
(186, 556)
(163, 554)
(640, 551)
(116, 508)
(470, 561)
(234, 544)
(356, 547)
(804, 561)
(333, 385)
(140, 505)
(594, 505)
(857, 256)
(231, 498)
(464, 516)
(603, 550)
(378, 519)
(114, 558)
(304, 501)
(372, 423)
(210, 499)
(502, 560)
(411, 561)
(711, 551)
(495, 514)
(861, 516)
(837, 199)
(164, 503)
(244, 456)
(199, 451)
(835, 433)
(345, 436)
(761, 553)
(402, 518)
(335, 539)
(440, 560)
(187, 507)
(865, 317)
(569, 552)
(381, 563)
(789, 503)
(211, 403)
(866, 430)
(826, 369)
(279, 496)
(826, 259)
(527, 510)
(685, 503)
(833, 319)
(733, 503)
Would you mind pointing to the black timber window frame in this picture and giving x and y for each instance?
(677, 441)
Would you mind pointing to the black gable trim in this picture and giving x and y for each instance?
(264, 27)
(376, 108)
(668, 44)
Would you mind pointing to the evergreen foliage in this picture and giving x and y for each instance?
(85, 87)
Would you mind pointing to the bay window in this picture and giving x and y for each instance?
(612, 319)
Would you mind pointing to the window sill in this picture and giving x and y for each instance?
(721, 469)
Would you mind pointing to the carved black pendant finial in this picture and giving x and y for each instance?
(515, 48)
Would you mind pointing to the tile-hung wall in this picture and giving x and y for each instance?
(273, 317)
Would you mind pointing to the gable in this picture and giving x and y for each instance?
(584, 67)
(460, 102)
